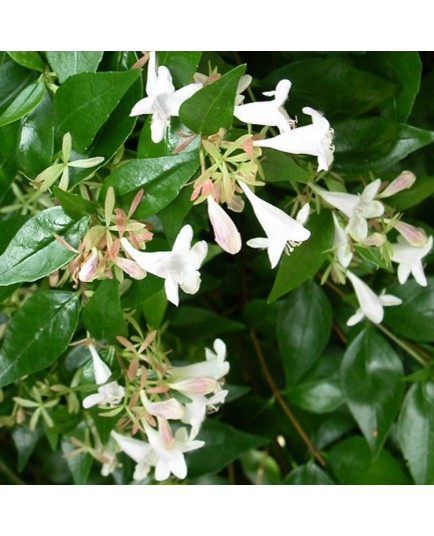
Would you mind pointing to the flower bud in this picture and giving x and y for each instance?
(402, 182)
(414, 235)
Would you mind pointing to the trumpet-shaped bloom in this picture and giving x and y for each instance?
(371, 305)
(409, 259)
(270, 113)
(178, 268)
(357, 208)
(139, 451)
(283, 232)
(195, 411)
(225, 232)
(162, 100)
(341, 243)
(109, 393)
(315, 139)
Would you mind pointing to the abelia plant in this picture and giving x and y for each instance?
(214, 276)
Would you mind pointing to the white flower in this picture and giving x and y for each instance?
(140, 451)
(162, 100)
(410, 260)
(109, 394)
(195, 411)
(341, 243)
(315, 139)
(179, 267)
(371, 305)
(215, 366)
(270, 113)
(283, 232)
(171, 459)
(225, 231)
(357, 208)
(168, 409)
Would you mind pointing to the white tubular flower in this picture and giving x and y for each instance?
(283, 232)
(341, 244)
(315, 139)
(269, 113)
(243, 84)
(170, 460)
(167, 409)
(225, 231)
(357, 208)
(215, 366)
(110, 394)
(409, 259)
(162, 100)
(371, 305)
(139, 451)
(195, 411)
(179, 267)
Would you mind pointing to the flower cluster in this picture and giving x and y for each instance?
(156, 395)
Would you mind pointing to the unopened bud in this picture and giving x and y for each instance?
(375, 239)
(414, 235)
(88, 269)
(402, 182)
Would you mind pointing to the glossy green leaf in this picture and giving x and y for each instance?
(281, 167)
(162, 178)
(172, 216)
(198, 323)
(8, 171)
(38, 333)
(416, 432)
(303, 329)
(307, 258)
(141, 291)
(319, 391)
(31, 60)
(345, 90)
(177, 138)
(79, 462)
(13, 80)
(262, 316)
(102, 315)
(74, 205)
(421, 190)
(352, 463)
(35, 252)
(25, 441)
(85, 101)
(154, 309)
(372, 382)
(68, 63)
(375, 144)
(414, 318)
(35, 145)
(10, 227)
(182, 65)
(308, 475)
(212, 107)
(24, 103)
(223, 444)
(260, 468)
(402, 68)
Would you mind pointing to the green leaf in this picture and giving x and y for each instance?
(85, 101)
(13, 80)
(416, 432)
(421, 190)
(74, 205)
(212, 107)
(35, 145)
(182, 65)
(344, 89)
(10, 227)
(308, 475)
(319, 391)
(414, 318)
(24, 103)
(352, 464)
(141, 291)
(31, 60)
(38, 333)
(25, 441)
(79, 462)
(102, 316)
(197, 323)
(260, 468)
(8, 171)
(68, 63)
(303, 329)
(161, 178)
(307, 258)
(34, 252)
(176, 136)
(172, 216)
(154, 309)
(402, 68)
(372, 383)
(223, 444)
(375, 144)
(281, 167)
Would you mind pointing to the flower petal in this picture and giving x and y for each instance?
(171, 289)
(93, 400)
(369, 302)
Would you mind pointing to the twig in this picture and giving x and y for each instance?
(10, 474)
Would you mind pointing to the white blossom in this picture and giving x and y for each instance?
(409, 258)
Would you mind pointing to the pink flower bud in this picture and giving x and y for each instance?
(130, 267)
(225, 232)
(88, 268)
(166, 434)
(402, 182)
(413, 235)
(375, 239)
(201, 386)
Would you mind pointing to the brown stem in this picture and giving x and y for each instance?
(282, 401)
